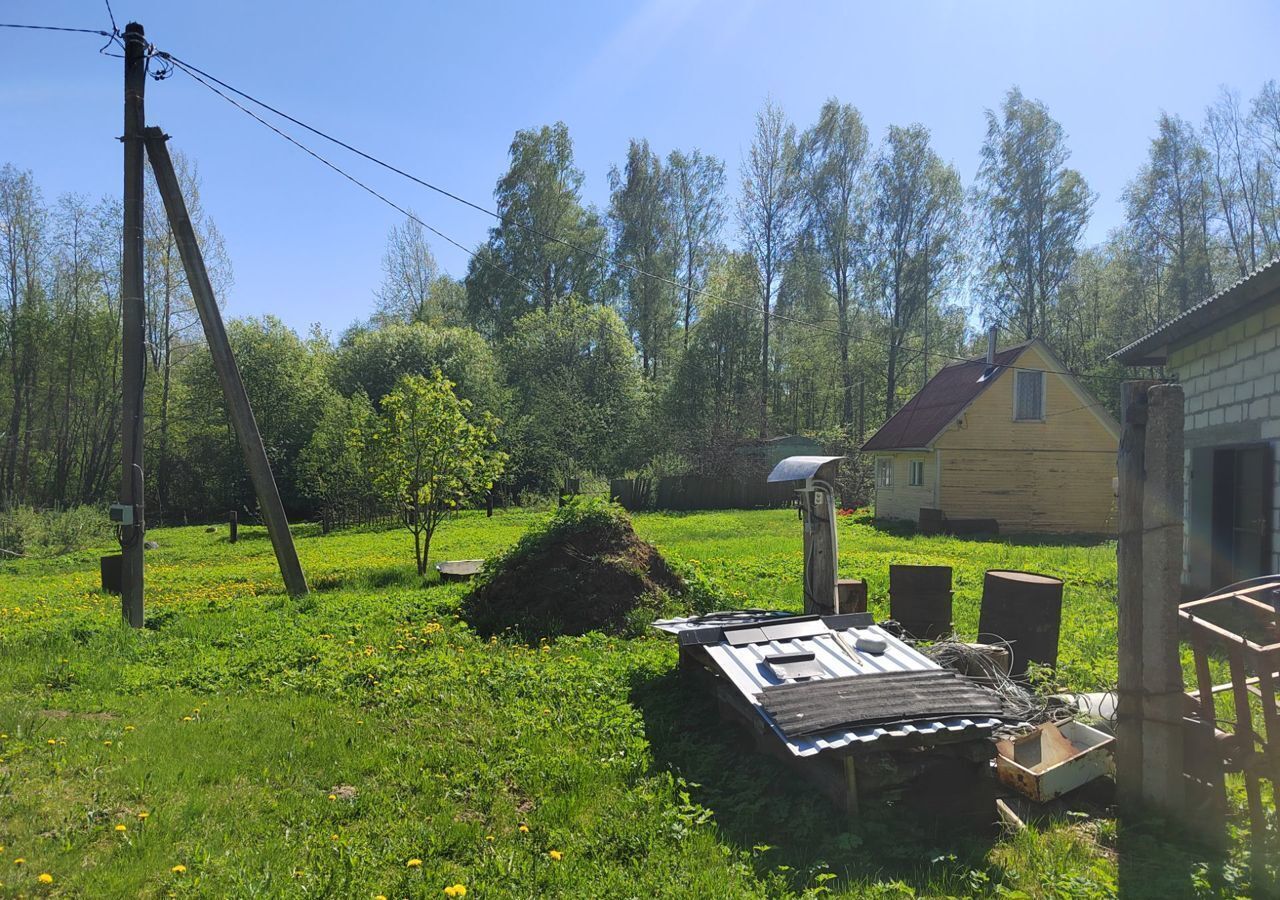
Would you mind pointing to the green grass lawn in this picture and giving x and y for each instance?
(365, 742)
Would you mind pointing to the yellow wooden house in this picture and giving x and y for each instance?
(1012, 437)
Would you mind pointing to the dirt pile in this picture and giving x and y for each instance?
(582, 570)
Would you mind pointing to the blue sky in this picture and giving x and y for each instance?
(440, 89)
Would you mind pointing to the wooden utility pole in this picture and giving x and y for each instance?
(133, 314)
(224, 363)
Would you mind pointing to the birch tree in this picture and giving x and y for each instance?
(767, 211)
(1031, 212)
(831, 159)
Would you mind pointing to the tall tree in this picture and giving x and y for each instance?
(643, 237)
(546, 246)
(917, 215)
(23, 225)
(409, 275)
(831, 161)
(767, 210)
(1032, 211)
(1168, 206)
(1238, 179)
(695, 192)
(1264, 129)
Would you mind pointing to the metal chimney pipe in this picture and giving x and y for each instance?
(991, 346)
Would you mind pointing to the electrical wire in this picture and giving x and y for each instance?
(97, 31)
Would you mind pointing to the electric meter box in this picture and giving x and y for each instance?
(121, 514)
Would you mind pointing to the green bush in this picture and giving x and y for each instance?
(30, 532)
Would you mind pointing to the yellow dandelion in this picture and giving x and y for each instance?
(487, 837)
(333, 796)
(333, 837)
(45, 878)
(414, 863)
(186, 718)
(106, 743)
(380, 897)
(456, 890)
(128, 728)
(143, 815)
(122, 827)
(555, 854)
(524, 829)
(51, 741)
(19, 861)
(178, 869)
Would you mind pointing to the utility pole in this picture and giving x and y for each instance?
(130, 512)
(224, 363)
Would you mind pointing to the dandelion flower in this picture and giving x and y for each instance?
(186, 718)
(333, 796)
(333, 837)
(106, 743)
(487, 837)
(456, 890)
(19, 861)
(128, 728)
(122, 827)
(555, 854)
(51, 741)
(414, 863)
(45, 878)
(524, 829)
(178, 869)
(143, 814)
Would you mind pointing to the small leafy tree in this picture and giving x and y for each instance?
(429, 455)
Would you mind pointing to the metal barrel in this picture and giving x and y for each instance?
(920, 599)
(1025, 609)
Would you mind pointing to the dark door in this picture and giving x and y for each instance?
(1242, 480)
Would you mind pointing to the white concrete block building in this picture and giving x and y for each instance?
(1225, 351)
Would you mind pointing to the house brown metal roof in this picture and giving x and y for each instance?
(939, 403)
(1262, 283)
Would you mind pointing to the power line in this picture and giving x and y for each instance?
(97, 31)
(204, 78)
(112, 16)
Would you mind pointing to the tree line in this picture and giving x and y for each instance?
(812, 290)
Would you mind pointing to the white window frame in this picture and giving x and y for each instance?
(884, 474)
(915, 473)
(1044, 387)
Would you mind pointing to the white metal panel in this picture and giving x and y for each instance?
(745, 668)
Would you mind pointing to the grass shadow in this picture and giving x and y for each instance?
(906, 529)
(781, 819)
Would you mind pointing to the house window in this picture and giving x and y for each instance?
(1028, 397)
(886, 472)
(917, 472)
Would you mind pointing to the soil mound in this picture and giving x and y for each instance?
(584, 569)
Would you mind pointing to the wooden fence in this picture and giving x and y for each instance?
(688, 492)
(358, 514)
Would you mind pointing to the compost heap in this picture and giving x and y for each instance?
(582, 570)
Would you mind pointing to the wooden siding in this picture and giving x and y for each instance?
(903, 501)
(1054, 475)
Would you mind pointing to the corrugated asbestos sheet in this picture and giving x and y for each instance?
(747, 670)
